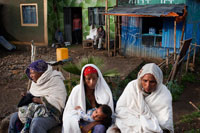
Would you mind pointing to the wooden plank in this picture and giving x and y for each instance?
(183, 51)
(174, 39)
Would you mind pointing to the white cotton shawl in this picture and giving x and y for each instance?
(151, 114)
(93, 33)
(102, 94)
(51, 86)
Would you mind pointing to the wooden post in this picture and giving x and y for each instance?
(115, 35)
(183, 30)
(106, 36)
(33, 55)
(194, 54)
(119, 33)
(167, 59)
(174, 39)
(188, 58)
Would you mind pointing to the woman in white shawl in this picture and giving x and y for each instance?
(49, 91)
(146, 104)
(92, 91)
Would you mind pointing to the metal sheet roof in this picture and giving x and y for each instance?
(148, 10)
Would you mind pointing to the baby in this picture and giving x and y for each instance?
(28, 110)
(101, 114)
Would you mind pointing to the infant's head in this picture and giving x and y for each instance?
(101, 113)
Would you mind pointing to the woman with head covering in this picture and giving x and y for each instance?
(90, 93)
(145, 106)
(48, 90)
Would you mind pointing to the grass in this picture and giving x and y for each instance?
(122, 84)
(175, 89)
(193, 131)
(190, 117)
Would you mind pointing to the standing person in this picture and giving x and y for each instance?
(49, 91)
(145, 106)
(100, 37)
(77, 29)
(90, 93)
(59, 36)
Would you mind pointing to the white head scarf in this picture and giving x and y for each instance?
(153, 69)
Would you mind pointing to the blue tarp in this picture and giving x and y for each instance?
(6, 44)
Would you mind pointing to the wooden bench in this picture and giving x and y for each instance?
(88, 43)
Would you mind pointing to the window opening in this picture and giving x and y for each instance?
(152, 31)
(96, 16)
(29, 14)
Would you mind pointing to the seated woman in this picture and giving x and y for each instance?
(93, 33)
(90, 93)
(100, 37)
(48, 91)
(145, 105)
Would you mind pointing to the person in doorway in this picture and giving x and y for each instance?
(145, 106)
(59, 36)
(90, 93)
(48, 92)
(77, 29)
(100, 37)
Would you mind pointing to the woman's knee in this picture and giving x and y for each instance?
(35, 123)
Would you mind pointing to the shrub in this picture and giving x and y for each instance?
(175, 89)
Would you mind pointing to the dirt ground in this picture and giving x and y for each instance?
(13, 79)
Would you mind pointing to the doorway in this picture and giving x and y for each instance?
(69, 14)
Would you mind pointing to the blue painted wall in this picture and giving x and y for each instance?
(168, 33)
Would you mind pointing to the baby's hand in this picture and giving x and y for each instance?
(77, 107)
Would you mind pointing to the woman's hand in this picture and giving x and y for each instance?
(37, 100)
(88, 127)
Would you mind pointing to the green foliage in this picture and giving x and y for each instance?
(72, 68)
(175, 89)
(24, 77)
(193, 131)
(188, 118)
(69, 84)
(122, 84)
(188, 77)
(76, 70)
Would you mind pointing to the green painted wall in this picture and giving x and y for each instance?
(12, 22)
(56, 17)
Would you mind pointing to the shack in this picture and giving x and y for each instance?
(148, 30)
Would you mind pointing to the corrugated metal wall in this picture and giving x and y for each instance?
(132, 41)
(193, 21)
(168, 33)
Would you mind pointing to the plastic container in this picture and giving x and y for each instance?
(67, 44)
(62, 53)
